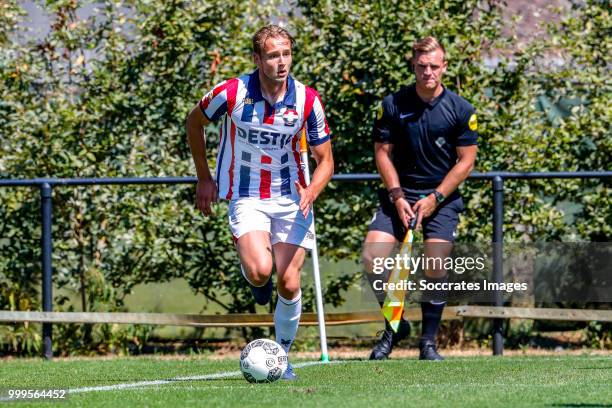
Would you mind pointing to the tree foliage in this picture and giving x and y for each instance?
(355, 53)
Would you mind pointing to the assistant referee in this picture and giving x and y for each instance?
(425, 144)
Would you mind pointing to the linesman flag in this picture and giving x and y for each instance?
(393, 308)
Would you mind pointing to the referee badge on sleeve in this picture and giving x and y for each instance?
(473, 123)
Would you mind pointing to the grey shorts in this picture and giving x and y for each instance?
(441, 224)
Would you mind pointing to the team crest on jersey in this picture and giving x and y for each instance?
(290, 117)
(248, 101)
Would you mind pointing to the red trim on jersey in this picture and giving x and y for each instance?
(268, 114)
(232, 90)
(296, 157)
(216, 91)
(265, 181)
(265, 178)
(310, 95)
(204, 102)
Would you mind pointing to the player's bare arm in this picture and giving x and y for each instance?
(383, 155)
(325, 169)
(466, 157)
(206, 189)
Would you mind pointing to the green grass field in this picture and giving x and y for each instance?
(576, 381)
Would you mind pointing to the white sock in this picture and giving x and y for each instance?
(287, 319)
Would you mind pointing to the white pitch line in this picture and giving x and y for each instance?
(225, 374)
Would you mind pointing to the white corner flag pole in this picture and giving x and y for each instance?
(315, 258)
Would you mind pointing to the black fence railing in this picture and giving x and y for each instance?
(46, 186)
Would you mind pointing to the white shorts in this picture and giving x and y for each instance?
(280, 216)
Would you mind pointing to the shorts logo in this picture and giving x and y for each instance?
(290, 117)
(473, 122)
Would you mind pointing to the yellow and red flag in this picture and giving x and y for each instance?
(393, 307)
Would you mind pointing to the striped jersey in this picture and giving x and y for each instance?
(259, 143)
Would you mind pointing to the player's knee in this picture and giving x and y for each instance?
(259, 280)
(288, 285)
(258, 271)
(373, 266)
(367, 259)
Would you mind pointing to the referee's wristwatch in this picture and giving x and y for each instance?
(439, 197)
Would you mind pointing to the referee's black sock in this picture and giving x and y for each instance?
(431, 307)
(432, 314)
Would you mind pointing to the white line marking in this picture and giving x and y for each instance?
(217, 376)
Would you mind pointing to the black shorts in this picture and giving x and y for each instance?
(441, 224)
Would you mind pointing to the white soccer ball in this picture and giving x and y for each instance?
(263, 361)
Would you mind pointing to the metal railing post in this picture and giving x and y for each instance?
(498, 273)
(46, 194)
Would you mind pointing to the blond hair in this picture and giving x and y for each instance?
(269, 31)
(427, 44)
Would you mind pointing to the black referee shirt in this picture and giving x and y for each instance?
(424, 135)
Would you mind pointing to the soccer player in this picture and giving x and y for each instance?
(258, 170)
(425, 145)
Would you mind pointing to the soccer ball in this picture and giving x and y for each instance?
(263, 361)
